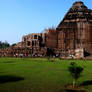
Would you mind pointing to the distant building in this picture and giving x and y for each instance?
(35, 40)
(40, 42)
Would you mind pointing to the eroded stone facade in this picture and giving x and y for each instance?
(75, 30)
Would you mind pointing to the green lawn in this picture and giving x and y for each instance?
(40, 74)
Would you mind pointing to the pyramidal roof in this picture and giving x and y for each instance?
(78, 12)
(78, 7)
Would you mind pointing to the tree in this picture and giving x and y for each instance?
(4, 45)
(75, 72)
(13, 44)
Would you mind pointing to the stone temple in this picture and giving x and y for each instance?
(75, 31)
(72, 37)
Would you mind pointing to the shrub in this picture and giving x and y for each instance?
(75, 72)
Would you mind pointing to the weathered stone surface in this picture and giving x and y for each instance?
(75, 30)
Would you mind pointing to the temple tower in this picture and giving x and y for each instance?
(75, 31)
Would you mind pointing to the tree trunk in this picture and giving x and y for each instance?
(74, 81)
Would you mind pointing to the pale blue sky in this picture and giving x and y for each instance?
(21, 17)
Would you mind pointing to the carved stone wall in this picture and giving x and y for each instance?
(75, 30)
(51, 38)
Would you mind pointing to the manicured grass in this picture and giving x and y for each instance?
(40, 74)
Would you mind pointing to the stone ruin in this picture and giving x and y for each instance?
(71, 39)
(75, 31)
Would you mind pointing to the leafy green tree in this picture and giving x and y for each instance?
(4, 45)
(75, 72)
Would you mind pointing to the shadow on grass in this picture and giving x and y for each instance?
(9, 62)
(10, 78)
(72, 90)
(86, 83)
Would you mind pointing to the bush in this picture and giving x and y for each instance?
(75, 72)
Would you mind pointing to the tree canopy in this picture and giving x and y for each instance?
(4, 45)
